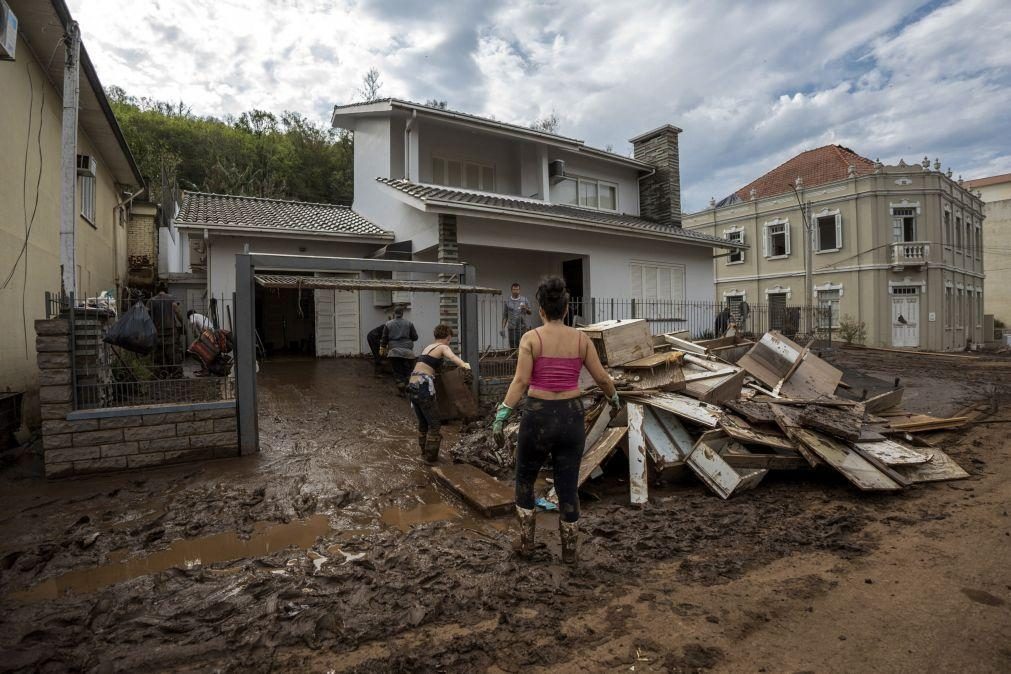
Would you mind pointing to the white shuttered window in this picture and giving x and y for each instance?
(658, 289)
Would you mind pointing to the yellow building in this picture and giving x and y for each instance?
(996, 194)
(899, 248)
(31, 114)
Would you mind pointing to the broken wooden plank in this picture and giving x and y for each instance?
(940, 467)
(685, 345)
(895, 454)
(600, 450)
(834, 421)
(778, 388)
(855, 468)
(788, 420)
(883, 467)
(683, 406)
(920, 422)
(717, 390)
(774, 356)
(479, 489)
(884, 401)
(675, 430)
(722, 478)
(660, 446)
(664, 377)
(768, 461)
(655, 360)
(637, 483)
(597, 429)
(739, 430)
(753, 411)
(619, 342)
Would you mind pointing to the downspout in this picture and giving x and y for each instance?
(407, 144)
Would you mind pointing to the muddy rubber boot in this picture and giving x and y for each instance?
(528, 527)
(422, 441)
(569, 533)
(432, 445)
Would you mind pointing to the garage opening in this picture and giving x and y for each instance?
(301, 319)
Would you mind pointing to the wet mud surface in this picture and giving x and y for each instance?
(334, 550)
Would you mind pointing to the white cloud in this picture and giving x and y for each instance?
(751, 84)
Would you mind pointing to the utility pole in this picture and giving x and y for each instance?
(68, 157)
(805, 214)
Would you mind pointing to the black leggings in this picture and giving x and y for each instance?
(425, 408)
(551, 427)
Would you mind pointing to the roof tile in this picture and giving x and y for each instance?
(814, 167)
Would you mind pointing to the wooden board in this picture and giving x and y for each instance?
(717, 390)
(662, 449)
(597, 429)
(788, 420)
(712, 468)
(684, 407)
(921, 422)
(685, 345)
(600, 451)
(479, 489)
(940, 467)
(619, 342)
(755, 412)
(884, 401)
(655, 360)
(766, 460)
(774, 356)
(637, 484)
(739, 430)
(675, 430)
(839, 423)
(664, 377)
(454, 396)
(841, 457)
(894, 454)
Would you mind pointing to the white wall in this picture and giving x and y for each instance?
(587, 167)
(456, 142)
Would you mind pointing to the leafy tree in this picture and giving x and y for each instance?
(256, 154)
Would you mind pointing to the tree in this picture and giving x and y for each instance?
(436, 103)
(371, 84)
(547, 124)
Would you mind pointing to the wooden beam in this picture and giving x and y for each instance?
(637, 483)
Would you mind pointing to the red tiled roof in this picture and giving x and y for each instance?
(985, 182)
(815, 167)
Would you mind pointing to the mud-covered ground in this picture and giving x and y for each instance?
(334, 550)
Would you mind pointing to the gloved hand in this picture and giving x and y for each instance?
(497, 428)
(383, 350)
(615, 402)
(466, 365)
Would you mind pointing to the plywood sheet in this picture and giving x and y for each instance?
(940, 467)
(742, 432)
(894, 454)
(722, 478)
(454, 396)
(479, 489)
(774, 356)
(684, 407)
(600, 450)
(841, 457)
(884, 401)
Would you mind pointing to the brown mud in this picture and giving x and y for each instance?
(333, 550)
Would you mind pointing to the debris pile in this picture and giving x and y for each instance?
(730, 410)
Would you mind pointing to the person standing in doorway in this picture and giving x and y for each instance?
(550, 360)
(421, 390)
(168, 321)
(397, 344)
(514, 316)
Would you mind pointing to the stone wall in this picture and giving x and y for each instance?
(660, 193)
(79, 442)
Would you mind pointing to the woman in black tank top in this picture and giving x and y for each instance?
(421, 391)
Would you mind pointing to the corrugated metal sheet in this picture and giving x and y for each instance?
(321, 283)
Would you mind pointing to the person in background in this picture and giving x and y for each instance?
(550, 360)
(375, 339)
(199, 322)
(397, 344)
(421, 390)
(168, 321)
(514, 316)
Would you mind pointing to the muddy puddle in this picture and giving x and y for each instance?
(185, 553)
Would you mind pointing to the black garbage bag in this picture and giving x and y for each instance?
(134, 331)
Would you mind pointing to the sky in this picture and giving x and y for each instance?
(751, 83)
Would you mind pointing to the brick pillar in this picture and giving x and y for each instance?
(52, 347)
(449, 303)
(660, 193)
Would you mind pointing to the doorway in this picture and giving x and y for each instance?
(905, 316)
(572, 274)
(286, 320)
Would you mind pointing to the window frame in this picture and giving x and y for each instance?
(735, 234)
(88, 196)
(899, 223)
(835, 308)
(824, 215)
(597, 182)
(480, 167)
(768, 234)
(947, 223)
(676, 271)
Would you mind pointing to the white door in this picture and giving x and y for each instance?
(337, 321)
(326, 343)
(905, 317)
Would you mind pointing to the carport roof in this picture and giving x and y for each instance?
(326, 283)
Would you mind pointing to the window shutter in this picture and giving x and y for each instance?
(838, 230)
(635, 277)
(678, 284)
(815, 234)
(765, 241)
(741, 235)
(786, 229)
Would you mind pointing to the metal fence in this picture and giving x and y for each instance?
(189, 360)
(700, 319)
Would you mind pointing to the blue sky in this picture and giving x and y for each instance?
(750, 83)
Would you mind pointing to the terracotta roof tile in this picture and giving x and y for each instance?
(228, 210)
(814, 167)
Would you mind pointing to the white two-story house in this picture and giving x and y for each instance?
(435, 185)
(520, 204)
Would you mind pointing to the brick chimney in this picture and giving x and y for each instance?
(660, 193)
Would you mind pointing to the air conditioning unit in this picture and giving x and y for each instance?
(86, 165)
(8, 32)
(556, 171)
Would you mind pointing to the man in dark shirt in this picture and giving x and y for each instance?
(168, 321)
(399, 336)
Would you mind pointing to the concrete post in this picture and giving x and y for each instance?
(68, 159)
(245, 356)
(471, 348)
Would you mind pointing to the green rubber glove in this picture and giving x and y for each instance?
(614, 401)
(497, 431)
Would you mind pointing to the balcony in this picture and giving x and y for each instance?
(910, 254)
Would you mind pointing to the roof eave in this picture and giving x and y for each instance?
(219, 228)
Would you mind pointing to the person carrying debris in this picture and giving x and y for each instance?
(515, 310)
(421, 390)
(168, 320)
(550, 360)
(397, 344)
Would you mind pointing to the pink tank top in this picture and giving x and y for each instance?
(555, 373)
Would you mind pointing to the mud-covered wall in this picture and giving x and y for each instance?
(123, 438)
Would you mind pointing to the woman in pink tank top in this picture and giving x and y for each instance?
(547, 371)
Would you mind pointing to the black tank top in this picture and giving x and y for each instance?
(430, 361)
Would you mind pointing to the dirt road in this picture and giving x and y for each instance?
(332, 550)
